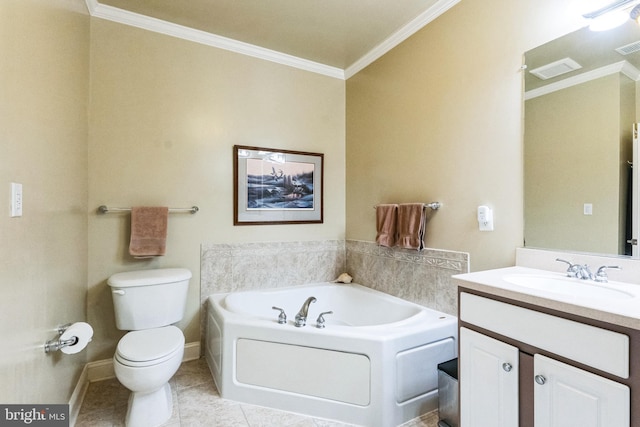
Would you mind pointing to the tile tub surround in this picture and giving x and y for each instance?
(198, 403)
(250, 266)
(421, 277)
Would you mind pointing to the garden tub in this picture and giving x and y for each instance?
(373, 364)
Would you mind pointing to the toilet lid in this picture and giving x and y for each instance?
(150, 345)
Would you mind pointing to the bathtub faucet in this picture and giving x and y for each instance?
(301, 317)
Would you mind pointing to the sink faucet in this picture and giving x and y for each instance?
(601, 275)
(301, 317)
(583, 272)
(572, 270)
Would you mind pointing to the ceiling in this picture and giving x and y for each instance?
(593, 50)
(331, 37)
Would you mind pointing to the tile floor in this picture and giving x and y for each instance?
(197, 403)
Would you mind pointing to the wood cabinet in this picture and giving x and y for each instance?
(518, 368)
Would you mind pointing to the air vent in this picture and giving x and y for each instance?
(556, 68)
(629, 48)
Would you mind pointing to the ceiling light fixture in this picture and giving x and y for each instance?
(635, 13)
(609, 21)
(612, 15)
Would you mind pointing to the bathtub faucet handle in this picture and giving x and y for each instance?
(320, 321)
(282, 317)
(301, 317)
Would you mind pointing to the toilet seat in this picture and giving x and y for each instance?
(149, 347)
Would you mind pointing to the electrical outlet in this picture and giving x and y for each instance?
(16, 199)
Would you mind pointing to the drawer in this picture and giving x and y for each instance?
(599, 348)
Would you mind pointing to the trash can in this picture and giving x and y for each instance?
(448, 394)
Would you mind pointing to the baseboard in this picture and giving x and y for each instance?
(77, 397)
(101, 370)
(191, 351)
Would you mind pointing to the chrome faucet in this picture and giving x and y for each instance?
(301, 317)
(583, 272)
(320, 322)
(572, 270)
(601, 275)
(282, 317)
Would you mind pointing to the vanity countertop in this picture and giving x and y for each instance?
(623, 312)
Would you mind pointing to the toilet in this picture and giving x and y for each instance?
(147, 303)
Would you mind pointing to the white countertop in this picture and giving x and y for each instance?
(623, 312)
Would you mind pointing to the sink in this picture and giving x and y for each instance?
(568, 286)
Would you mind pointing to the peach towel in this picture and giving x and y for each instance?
(411, 225)
(386, 217)
(148, 231)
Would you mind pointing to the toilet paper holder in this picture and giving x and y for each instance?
(57, 344)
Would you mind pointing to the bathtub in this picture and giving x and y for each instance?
(374, 364)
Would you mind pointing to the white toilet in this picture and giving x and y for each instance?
(147, 303)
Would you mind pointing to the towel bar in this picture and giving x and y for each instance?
(104, 209)
(433, 205)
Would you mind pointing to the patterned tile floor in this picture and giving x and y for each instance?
(197, 403)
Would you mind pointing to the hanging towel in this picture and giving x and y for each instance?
(411, 225)
(148, 231)
(386, 218)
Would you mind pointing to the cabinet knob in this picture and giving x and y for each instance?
(507, 367)
(540, 379)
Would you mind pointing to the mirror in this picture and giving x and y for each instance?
(578, 141)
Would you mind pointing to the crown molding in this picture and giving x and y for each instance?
(121, 16)
(440, 7)
(618, 67)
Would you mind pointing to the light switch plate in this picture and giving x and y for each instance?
(16, 199)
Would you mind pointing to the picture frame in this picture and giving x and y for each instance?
(275, 186)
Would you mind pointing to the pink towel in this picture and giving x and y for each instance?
(148, 231)
(386, 217)
(411, 225)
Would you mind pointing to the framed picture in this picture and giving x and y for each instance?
(272, 186)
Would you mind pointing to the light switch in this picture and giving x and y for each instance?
(588, 209)
(16, 199)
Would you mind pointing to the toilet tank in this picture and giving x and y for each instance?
(148, 299)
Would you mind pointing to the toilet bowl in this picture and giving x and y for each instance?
(144, 363)
(147, 303)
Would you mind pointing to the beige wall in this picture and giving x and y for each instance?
(44, 46)
(572, 157)
(165, 114)
(439, 119)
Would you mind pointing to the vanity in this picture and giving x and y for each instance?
(537, 345)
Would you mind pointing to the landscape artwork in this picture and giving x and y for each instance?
(280, 185)
(275, 186)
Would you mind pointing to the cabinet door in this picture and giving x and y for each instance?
(488, 381)
(566, 396)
